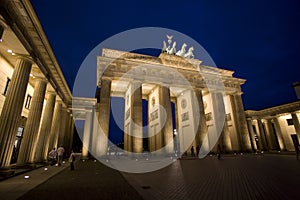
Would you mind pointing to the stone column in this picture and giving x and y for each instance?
(44, 133)
(226, 142)
(262, 135)
(104, 114)
(271, 135)
(12, 109)
(87, 134)
(167, 130)
(240, 121)
(137, 116)
(66, 138)
(251, 132)
(279, 134)
(202, 127)
(30, 135)
(151, 139)
(296, 124)
(71, 132)
(63, 127)
(55, 128)
(219, 116)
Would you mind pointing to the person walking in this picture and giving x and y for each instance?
(197, 150)
(72, 160)
(60, 153)
(52, 156)
(192, 151)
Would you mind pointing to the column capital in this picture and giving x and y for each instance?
(39, 78)
(51, 92)
(28, 58)
(104, 78)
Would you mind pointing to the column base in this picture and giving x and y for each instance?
(6, 173)
(25, 166)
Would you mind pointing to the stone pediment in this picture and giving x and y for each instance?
(179, 62)
(163, 59)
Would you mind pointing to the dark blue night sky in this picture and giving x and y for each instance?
(259, 40)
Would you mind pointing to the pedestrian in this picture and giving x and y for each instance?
(197, 150)
(52, 156)
(60, 153)
(72, 160)
(192, 151)
(219, 152)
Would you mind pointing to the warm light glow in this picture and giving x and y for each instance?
(9, 51)
(46, 169)
(26, 177)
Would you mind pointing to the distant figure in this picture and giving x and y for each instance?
(60, 153)
(52, 156)
(192, 151)
(72, 160)
(197, 150)
(219, 152)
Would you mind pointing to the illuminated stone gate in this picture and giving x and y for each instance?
(200, 94)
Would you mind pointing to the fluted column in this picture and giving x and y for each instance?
(67, 134)
(167, 130)
(226, 141)
(87, 134)
(202, 127)
(104, 114)
(251, 132)
(279, 134)
(271, 136)
(240, 121)
(296, 124)
(137, 116)
(63, 127)
(12, 109)
(219, 115)
(55, 127)
(71, 132)
(44, 133)
(30, 135)
(262, 135)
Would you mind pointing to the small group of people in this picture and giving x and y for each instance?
(58, 154)
(193, 150)
(219, 151)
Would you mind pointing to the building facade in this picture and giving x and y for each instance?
(35, 98)
(276, 128)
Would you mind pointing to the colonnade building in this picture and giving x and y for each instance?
(276, 128)
(34, 96)
(207, 103)
(37, 113)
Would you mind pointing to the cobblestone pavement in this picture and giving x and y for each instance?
(232, 177)
(90, 180)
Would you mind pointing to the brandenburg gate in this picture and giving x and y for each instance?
(208, 105)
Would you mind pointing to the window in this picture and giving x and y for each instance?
(6, 86)
(28, 100)
(20, 132)
(290, 122)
